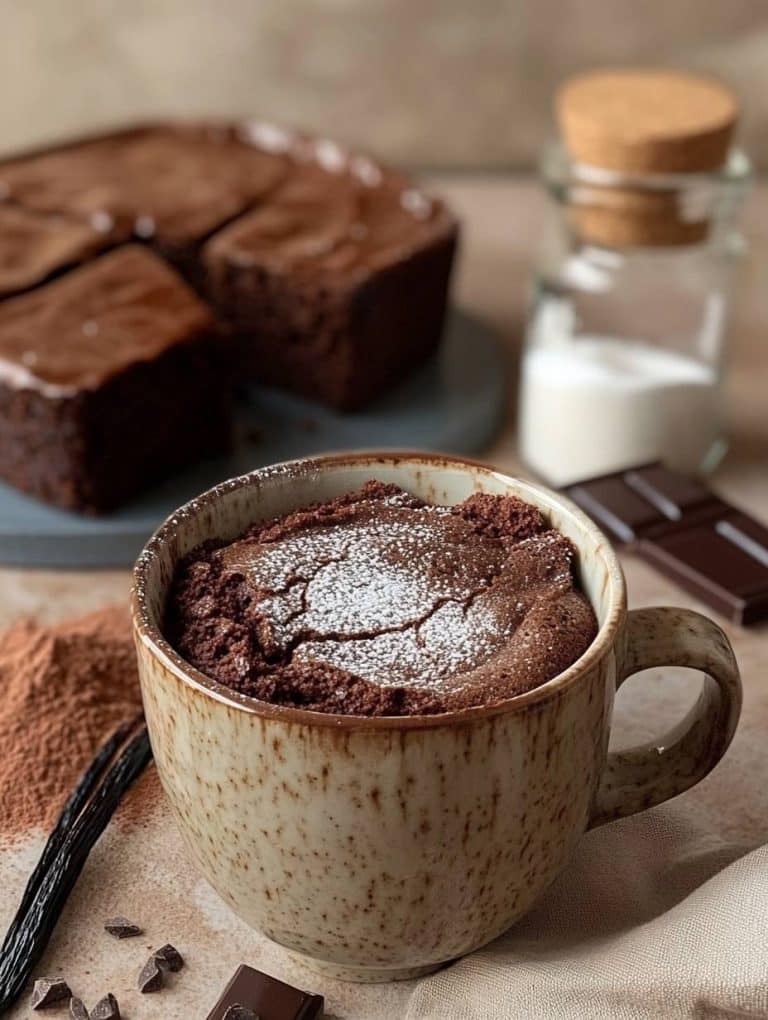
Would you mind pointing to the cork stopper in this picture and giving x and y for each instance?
(636, 123)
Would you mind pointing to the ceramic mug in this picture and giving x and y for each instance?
(380, 848)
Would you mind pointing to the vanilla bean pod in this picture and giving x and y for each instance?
(84, 818)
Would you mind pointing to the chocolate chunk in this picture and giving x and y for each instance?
(238, 1012)
(122, 928)
(106, 1009)
(77, 1010)
(675, 523)
(49, 992)
(169, 958)
(151, 976)
(266, 998)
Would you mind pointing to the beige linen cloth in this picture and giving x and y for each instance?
(657, 916)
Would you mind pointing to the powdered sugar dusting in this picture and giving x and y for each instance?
(388, 596)
(432, 653)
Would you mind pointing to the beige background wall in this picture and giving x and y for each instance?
(425, 82)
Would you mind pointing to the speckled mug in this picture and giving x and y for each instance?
(380, 848)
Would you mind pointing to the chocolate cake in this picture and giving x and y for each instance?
(111, 377)
(333, 270)
(377, 603)
(329, 272)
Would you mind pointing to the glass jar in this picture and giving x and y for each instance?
(625, 347)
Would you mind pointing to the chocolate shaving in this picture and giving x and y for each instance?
(77, 1010)
(106, 1009)
(49, 992)
(151, 976)
(169, 958)
(122, 928)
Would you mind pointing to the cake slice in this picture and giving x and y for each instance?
(35, 246)
(336, 284)
(111, 377)
(169, 185)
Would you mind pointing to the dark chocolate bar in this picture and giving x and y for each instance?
(674, 522)
(267, 997)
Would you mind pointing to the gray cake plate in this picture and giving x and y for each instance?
(454, 404)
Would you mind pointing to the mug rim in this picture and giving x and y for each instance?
(153, 641)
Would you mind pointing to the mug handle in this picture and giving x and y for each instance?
(644, 776)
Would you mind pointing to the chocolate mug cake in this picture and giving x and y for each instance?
(380, 846)
(378, 603)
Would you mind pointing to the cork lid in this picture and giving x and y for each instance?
(647, 121)
(647, 127)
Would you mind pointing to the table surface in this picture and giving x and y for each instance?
(143, 872)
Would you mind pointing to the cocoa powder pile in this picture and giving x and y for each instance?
(63, 691)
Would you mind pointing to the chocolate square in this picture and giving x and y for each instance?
(269, 998)
(677, 524)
